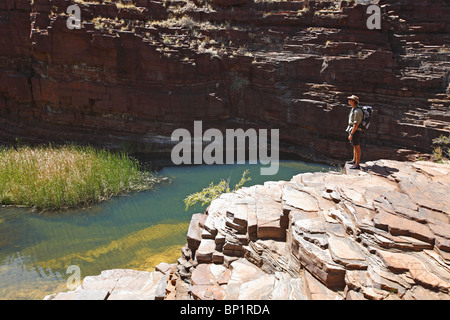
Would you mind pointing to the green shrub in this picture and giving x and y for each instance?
(208, 194)
(441, 148)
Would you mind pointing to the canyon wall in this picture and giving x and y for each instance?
(137, 70)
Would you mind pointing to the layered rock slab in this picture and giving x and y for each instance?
(117, 284)
(361, 235)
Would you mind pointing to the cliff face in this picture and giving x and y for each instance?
(382, 233)
(136, 71)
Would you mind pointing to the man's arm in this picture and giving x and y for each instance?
(355, 127)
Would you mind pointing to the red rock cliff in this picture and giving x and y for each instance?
(137, 70)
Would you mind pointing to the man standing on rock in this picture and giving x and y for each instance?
(354, 130)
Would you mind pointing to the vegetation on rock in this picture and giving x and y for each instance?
(441, 150)
(208, 194)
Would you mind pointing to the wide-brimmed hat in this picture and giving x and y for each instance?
(354, 98)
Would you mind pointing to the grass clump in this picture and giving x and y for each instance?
(208, 194)
(441, 149)
(58, 177)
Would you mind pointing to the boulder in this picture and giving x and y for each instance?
(269, 217)
(205, 251)
(194, 234)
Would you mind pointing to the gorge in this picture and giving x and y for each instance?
(138, 70)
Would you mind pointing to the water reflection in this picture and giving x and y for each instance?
(21, 278)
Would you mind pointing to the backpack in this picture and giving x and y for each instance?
(367, 114)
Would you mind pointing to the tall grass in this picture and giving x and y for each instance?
(54, 177)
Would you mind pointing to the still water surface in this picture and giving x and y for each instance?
(135, 231)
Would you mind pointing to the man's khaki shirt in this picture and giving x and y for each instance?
(355, 116)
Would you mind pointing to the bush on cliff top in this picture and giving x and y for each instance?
(441, 150)
(49, 177)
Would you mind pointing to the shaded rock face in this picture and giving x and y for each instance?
(132, 74)
(380, 233)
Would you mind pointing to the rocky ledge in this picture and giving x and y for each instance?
(379, 233)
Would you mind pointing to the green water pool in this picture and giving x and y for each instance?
(133, 231)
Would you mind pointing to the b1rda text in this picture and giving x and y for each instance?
(246, 309)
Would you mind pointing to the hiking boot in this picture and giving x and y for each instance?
(356, 167)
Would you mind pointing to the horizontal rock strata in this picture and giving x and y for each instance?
(379, 233)
(132, 74)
